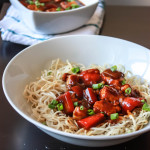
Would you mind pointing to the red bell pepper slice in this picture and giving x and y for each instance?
(129, 103)
(91, 121)
(68, 104)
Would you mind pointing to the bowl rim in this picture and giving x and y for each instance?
(19, 5)
(62, 133)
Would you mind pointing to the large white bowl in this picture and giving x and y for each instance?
(56, 22)
(28, 64)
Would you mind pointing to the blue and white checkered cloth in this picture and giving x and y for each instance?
(13, 29)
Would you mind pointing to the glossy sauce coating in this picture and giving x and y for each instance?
(90, 105)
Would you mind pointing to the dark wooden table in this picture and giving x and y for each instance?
(130, 23)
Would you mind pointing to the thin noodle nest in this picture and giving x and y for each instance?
(50, 85)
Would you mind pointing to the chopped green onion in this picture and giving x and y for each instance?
(70, 0)
(30, 2)
(74, 6)
(146, 107)
(51, 106)
(54, 102)
(75, 70)
(143, 100)
(75, 104)
(90, 112)
(123, 82)
(101, 85)
(81, 107)
(128, 91)
(114, 116)
(38, 4)
(60, 106)
(68, 8)
(113, 68)
(97, 86)
(58, 9)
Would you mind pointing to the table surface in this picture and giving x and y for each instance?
(126, 22)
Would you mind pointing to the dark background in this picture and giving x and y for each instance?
(2, 1)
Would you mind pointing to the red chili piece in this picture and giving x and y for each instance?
(68, 104)
(91, 121)
(129, 103)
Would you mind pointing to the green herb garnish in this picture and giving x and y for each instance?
(123, 82)
(75, 104)
(75, 6)
(97, 86)
(113, 68)
(58, 9)
(60, 107)
(81, 107)
(114, 116)
(128, 91)
(75, 70)
(90, 112)
(146, 107)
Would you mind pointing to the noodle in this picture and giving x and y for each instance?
(50, 85)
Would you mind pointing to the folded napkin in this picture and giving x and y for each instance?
(13, 29)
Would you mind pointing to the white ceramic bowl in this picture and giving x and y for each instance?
(56, 22)
(28, 64)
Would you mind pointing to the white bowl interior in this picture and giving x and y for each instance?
(29, 63)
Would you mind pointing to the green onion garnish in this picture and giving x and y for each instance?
(68, 8)
(51, 106)
(75, 70)
(123, 82)
(58, 9)
(70, 0)
(81, 107)
(75, 104)
(128, 91)
(74, 6)
(113, 68)
(114, 116)
(30, 2)
(54, 102)
(143, 100)
(146, 107)
(60, 107)
(38, 4)
(97, 86)
(90, 112)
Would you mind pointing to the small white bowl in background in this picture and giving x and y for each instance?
(56, 22)
(28, 64)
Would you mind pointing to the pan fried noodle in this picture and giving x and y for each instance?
(50, 85)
